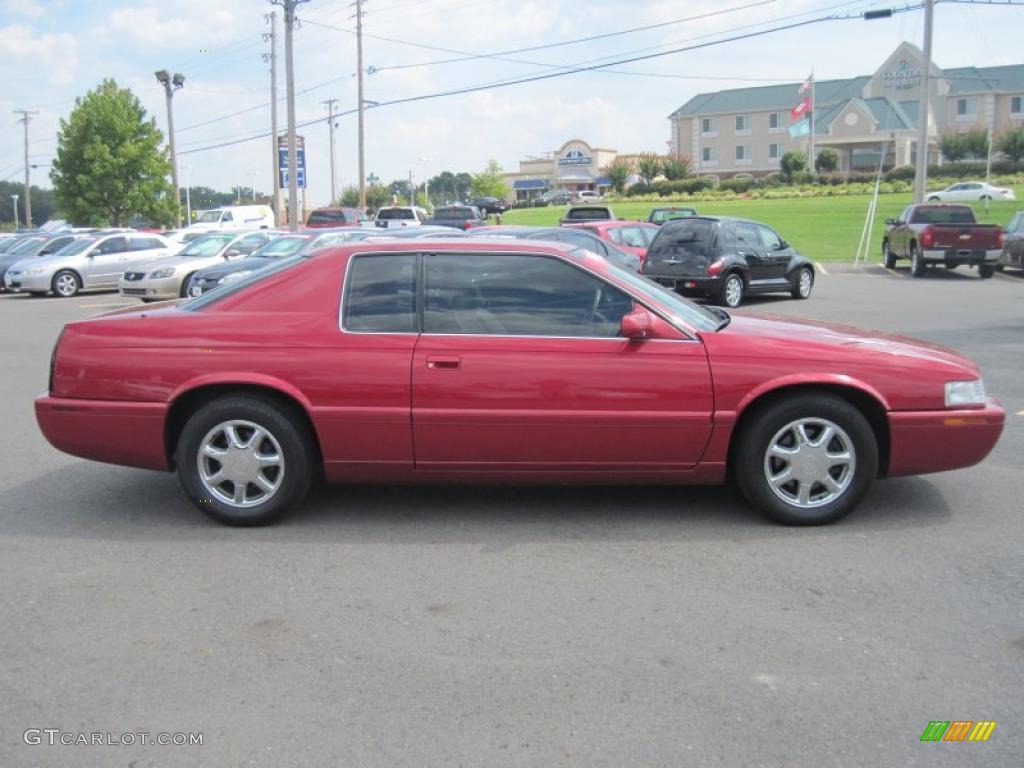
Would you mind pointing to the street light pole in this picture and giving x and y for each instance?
(26, 115)
(14, 199)
(253, 174)
(188, 195)
(172, 84)
(921, 171)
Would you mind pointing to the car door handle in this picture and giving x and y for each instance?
(443, 363)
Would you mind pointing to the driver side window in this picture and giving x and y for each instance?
(518, 295)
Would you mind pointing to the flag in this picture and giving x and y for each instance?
(807, 84)
(803, 128)
(800, 109)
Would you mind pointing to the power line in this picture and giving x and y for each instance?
(573, 70)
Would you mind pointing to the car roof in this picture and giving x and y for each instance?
(467, 245)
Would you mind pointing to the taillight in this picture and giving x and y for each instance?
(53, 361)
(470, 224)
(926, 237)
(1001, 238)
(716, 267)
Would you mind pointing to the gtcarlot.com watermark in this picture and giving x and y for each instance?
(54, 736)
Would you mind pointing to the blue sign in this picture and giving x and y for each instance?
(300, 161)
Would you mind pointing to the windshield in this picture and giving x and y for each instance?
(683, 310)
(385, 214)
(210, 245)
(210, 217)
(282, 246)
(218, 293)
(453, 214)
(28, 244)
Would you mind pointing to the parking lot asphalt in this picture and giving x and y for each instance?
(521, 626)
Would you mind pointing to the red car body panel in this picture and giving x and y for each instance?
(478, 408)
(603, 229)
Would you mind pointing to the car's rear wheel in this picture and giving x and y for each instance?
(731, 292)
(804, 283)
(66, 284)
(244, 460)
(986, 270)
(806, 460)
(888, 256)
(917, 263)
(986, 198)
(933, 199)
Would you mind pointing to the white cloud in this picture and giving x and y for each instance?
(52, 55)
(31, 9)
(188, 23)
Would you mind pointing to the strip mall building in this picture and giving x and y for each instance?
(576, 166)
(744, 132)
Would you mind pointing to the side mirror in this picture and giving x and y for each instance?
(783, 245)
(636, 324)
(230, 253)
(890, 222)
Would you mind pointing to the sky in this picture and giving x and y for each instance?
(52, 51)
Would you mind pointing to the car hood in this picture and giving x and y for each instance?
(179, 261)
(237, 265)
(791, 338)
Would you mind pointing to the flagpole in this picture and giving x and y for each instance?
(814, 106)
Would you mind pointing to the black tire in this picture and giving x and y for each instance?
(758, 434)
(888, 256)
(183, 293)
(66, 284)
(986, 271)
(933, 199)
(800, 290)
(984, 198)
(37, 294)
(284, 426)
(731, 292)
(917, 262)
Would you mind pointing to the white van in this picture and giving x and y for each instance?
(235, 217)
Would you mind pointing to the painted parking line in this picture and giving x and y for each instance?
(820, 268)
(101, 306)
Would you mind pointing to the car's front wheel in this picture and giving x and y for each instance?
(888, 256)
(806, 460)
(66, 284)
(244, 460)
(804, 283)
(731, 292)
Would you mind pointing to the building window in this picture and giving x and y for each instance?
(709, 155)
(1017, 105)
(742, 124)
(742, 154)
(774, 151)
(776, 122)
(708, 126)
(966, 109)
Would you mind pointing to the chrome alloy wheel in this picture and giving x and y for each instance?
(806, 281)
(240, 463)
(66, 284)
(810, 462)
(733, 290)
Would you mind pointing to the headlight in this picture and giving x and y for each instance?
(232, 276)
(965, 393)
(160, 273)
(36, 271)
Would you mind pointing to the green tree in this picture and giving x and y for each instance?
(490, 182)
(618, 172)
(953, 147)
(828, 161)
(976, 143)
(110, 163)
(648, 165)
(44, 206)
(792, 163)
(675, 168)
(1010, 143)
(463, 184)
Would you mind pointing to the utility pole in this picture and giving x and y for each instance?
(921, 171)
(26, 115)
(359, 73)
(330, 127)
(172, 84)
(289, 7)
(188, 195)
(276, 166)
(14, 199)
(253, 174)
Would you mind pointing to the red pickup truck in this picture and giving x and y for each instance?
(942, 234)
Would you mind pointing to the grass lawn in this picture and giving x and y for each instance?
(821, 228)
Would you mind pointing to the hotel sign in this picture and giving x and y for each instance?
(903, 77)
(574, 157)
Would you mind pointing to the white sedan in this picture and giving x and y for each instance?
(970, 190)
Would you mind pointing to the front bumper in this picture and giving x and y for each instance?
(958, 256)
(936, 441)
(26, 283)
(153, 290)
(117, 432)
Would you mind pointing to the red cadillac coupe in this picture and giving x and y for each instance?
(464, 360)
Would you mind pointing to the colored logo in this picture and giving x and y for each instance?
(958, 730)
